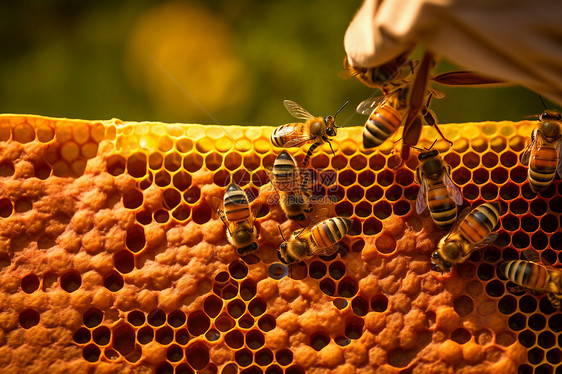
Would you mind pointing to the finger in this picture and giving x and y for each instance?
(366, 43)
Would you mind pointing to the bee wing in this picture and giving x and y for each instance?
(217, 206)
(484, 243)
(218, 211)
(255, 209)
(421, 201)
(298, 140)
(269, 172)
(317, 217)
(531, 255)
(367, 106)
(436, 93)
(346, 74)
(559, 153)
(295, 138)
(327, 251)
(452, 189)
(526, 155)
(460, 217)
(296, 110)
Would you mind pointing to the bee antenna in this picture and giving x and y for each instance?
(435, 141)
(542, 101)
(340, 109)
(281, 232)
(419, 149)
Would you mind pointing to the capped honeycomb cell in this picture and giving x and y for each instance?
(119, 249)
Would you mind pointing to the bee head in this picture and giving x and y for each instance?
(427, 155)
(330, 122)
(550, 129)
(284, 255)
(247, 249)
(439, 263)
(331, 129)
(550, 115)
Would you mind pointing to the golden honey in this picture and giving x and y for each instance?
(112, 259)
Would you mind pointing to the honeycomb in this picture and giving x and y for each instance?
(112, 259)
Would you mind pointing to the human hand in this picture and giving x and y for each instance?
(517, 41)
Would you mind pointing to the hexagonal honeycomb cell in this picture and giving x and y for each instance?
(112, 258)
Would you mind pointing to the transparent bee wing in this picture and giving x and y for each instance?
(218, 212)
(346, 74)
(255, 209)
(327, 251)
(294, 137)
(367, 106)
(531, 255)
(452, 189)
(298, 140)
(460, 217)
(559, 153)
(272, 182)
(320, 215)
(484, 243)
(217, 207)
(421, 201)
(296, 110)
(436, 93)
(526, 155)
(534, 256)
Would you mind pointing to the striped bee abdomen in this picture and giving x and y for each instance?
(236, 205)
(442, 208)
(284, 133)
(330, 231)
(286, 173)
(382, 123)
(527, 274)
(542, 167)
(478, 224)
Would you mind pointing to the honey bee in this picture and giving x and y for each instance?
(437, 191)
(536, 277)
(470, 233)
(314, 129)
(419, 95)
(543, 155)
(319, 237)
(239, 220)
(384, 119)
(294, 196)
(386, 114)
(379, 76)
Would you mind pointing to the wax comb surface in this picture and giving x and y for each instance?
(112, 258)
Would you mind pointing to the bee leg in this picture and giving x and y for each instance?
(304, 182)
(223, 219)
(555, 301)
(309, 153)
(404, 156)
(430, 120)
(329, 143)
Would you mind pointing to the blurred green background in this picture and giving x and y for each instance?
(217, 61)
